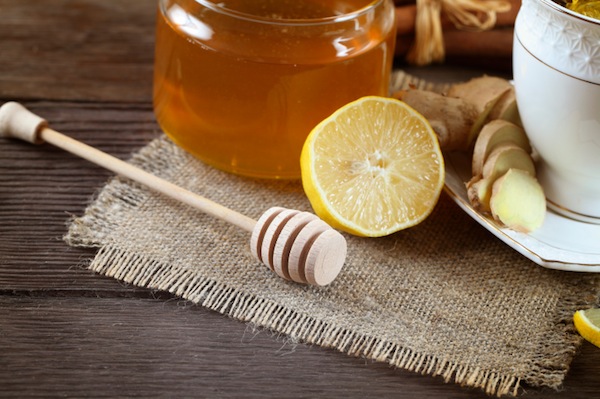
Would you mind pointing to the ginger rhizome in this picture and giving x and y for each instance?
(494, 134)
(482, 116)
(484, 93)
(503, 158)
(503, 181)
(518, 201)
(450, 118)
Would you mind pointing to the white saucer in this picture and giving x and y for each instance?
(561, 243)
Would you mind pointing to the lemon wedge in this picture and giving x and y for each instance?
(587, 323)
(373, 167)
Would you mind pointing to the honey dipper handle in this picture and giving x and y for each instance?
(18, 122)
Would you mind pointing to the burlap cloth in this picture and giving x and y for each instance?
(442, 298)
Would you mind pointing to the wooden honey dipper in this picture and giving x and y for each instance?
(298, 246)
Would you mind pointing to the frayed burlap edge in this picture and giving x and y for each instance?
(140, 271)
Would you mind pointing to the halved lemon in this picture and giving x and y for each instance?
(373, 167)
(587, 323)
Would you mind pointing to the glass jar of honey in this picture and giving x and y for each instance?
(240, 84)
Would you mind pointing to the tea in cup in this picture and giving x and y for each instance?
(556, 67)
(240, 84)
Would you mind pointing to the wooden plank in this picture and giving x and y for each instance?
(77, 50)
(91, 50)
(120, 347)
(42, 187)
(86, 65)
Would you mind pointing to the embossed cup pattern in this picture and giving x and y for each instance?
(556, 67)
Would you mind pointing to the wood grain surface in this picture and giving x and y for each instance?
(86, 65)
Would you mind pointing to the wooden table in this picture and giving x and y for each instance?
(86, 65)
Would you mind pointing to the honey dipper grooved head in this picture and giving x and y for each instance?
(298, 246)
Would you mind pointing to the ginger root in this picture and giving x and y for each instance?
(518, 201)
(458, 116)
(450, 118)
(503, 182)
(482, 114)
(507, 156)
(494, 134)
(484, 93)
(506, 109)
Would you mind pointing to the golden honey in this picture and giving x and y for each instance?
(240, 84)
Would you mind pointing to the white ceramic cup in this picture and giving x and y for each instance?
(556, 68)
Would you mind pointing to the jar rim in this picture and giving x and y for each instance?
(216, 7)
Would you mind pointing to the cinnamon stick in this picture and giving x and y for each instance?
(406, 14)
(495, 42)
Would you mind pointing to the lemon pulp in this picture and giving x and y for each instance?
(373, 167)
